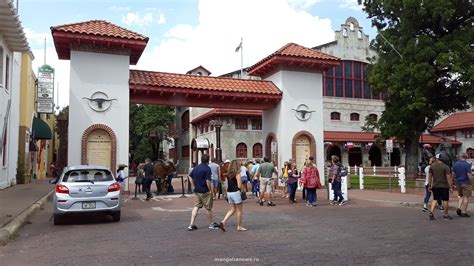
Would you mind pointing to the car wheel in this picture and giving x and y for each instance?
(116, 216)
(57, 219)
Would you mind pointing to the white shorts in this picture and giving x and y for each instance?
(266, 185)
(234, 197)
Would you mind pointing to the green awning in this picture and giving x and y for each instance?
(41, 130)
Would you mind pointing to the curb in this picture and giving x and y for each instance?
(12, 227)
(409, 204)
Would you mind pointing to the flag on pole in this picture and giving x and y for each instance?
(238, 47)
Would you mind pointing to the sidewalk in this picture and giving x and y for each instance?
(407, 199)
(18, 202)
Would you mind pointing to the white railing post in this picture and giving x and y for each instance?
(401, 180)
(374, 171)
(361, 178)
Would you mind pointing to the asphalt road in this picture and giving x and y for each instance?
(154, 233)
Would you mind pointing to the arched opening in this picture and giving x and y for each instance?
(375, 156)
(355, 156)
(303, 146)
(185, 121)
(99, 146)
(257, 150)
(395, 157)
(333, 150)
(241, 150)
(273, 155)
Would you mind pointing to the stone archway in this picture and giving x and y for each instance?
(355, 156)
(99, 146)
(271, 137)
(333, 150)
(395, 157)
(375, 156)
(303, 146)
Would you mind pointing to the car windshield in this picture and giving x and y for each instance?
(89, 175)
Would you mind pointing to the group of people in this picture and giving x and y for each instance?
(232, 178)
(441, 180)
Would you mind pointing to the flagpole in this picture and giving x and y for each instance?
(241, 58)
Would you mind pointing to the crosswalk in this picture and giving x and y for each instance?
(157, 198)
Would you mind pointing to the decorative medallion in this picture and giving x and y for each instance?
(99, 101)
(302, 112)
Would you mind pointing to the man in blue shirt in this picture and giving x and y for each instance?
(201, 179)
(462, 180)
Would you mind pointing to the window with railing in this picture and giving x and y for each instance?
(349, 80)
(241, 123)
(256, 124)
(185, 121)
(241, 150)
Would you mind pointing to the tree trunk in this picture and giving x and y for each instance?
(411, 159)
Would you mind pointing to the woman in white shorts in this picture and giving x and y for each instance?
(234, 185)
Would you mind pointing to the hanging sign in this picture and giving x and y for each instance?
(45, 103)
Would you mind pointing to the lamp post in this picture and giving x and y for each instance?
(218, 124)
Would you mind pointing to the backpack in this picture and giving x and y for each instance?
(342, 170)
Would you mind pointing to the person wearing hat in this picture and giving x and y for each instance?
(121, 175)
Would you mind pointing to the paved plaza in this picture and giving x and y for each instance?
(154, 233)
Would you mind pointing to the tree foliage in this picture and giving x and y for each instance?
(149, 126)
(424, 66)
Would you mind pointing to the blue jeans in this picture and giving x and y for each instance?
(427, 195)
(147, 188)
(292, 188)
(337, 191)
(311, 195)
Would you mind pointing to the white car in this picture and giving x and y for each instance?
(86, 189)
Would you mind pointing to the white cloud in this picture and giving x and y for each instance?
(162, 19)
(35, 39)
(351, 4)
(134, 18)
(212, 42)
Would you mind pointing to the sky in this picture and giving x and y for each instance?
(184, 34)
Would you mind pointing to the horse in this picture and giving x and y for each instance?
(162, 171)
(222, 187)
(446, 153)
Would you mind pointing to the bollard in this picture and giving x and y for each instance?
(361, 178)
(402, 180)
(374, 170)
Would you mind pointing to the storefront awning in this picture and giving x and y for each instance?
(41, 130)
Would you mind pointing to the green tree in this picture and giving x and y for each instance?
(149, 126)
(424, 66)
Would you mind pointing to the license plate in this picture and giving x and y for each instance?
(88, 205)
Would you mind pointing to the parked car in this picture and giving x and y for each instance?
(85, 189)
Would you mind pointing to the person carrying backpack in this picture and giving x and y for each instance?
(335, 179)
(311, 182)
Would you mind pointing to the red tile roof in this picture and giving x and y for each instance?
(99, 28)
(201, 83)
(434, 139)
(98, 36)
(350, 136)
(455, 121)
(306, 58)
(229, 112)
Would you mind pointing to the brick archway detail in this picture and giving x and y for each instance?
(113, 139)
(312, 147)
(267, 152)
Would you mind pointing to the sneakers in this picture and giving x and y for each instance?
(192, 227)
(424, 209)
(333, 202)
(465, 215)
(431, 216)
(270, 204)
(458, 212)
(214, 226)
(342, 203)
(261, 203)
(447, 217)
(221, 226)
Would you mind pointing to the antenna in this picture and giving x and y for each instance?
(44, 63)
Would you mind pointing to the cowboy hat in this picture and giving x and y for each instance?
(122, 165)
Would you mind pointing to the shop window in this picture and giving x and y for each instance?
(241, 150)
(335, 116)
(256, 124)
(355, 117)
(257, 150)
(241, 123)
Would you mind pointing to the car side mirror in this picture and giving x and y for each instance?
(53, 181)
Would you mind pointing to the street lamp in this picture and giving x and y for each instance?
(218, 124)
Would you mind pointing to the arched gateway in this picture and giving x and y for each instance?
(102, 86)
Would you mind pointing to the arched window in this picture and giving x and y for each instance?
(185, 121)
(355, 117)
(470, 153)
(335, 116)
(257, 150)
(241, 150)
(373, 117)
